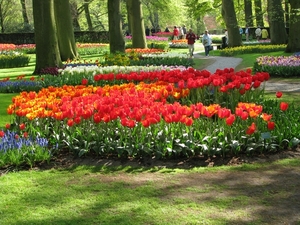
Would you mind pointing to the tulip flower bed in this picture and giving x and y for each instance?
(283, 66)
(167, 113)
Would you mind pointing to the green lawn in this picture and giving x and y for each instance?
(86, 195)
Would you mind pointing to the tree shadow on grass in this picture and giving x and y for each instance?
(97, 195)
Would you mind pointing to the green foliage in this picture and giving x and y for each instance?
(172, 61)
(10, 59)
(24, 156)
(151, 44)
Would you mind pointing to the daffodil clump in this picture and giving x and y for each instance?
(251, 49)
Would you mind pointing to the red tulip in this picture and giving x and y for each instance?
(251, 129)
(230, 119)
(22, 126)
(278, 94)
(84, 81)
(70, 122)
(7, 126)
(271, 125)
(244, 115)
(2, 134)
(242, 91)
(25, 135)
(284, 106)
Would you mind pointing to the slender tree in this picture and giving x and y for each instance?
(294, 39)
(276, 20)
(287, 13)
(136, 21)
(47, 51)
(248, 13)
(116, 38)
(87, 14)
(24, 14)
(75, 16)
(258, 13)
(229, 16)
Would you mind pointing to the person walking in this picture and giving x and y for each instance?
(247, 31)
(206, 41)
(191, 38)
(258, 33)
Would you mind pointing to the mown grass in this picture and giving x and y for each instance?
(6, 100)
(114, 195)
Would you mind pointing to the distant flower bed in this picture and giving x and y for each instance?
(150, 38)
(251, 49)
(283, 66)
(181, 43)
(163, 34)
(144, 50)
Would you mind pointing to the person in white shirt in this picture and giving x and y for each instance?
(258, 33)
(206, 41)
(247, 33)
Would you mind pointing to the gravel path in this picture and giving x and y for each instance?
(220, 62)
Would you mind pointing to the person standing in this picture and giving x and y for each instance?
(191, 38)
(175, 33)
(247, 31)
(264, 34)
(258, 33)
(206, 41)
(184, 32)
(147, 31)
(226, 36)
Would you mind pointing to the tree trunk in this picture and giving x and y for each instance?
(75, 15)
(1, 19)
(248, 13)
(276, 20)
(116, 38)
(87, 15)
(134, 9)
(258, 13)
(24, 14)
(47, 51)
(229, 16)
(65, 32)
(294, 38)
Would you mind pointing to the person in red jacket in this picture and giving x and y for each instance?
(191, 38)
(175, 33)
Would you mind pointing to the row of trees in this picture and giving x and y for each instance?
(53, 24)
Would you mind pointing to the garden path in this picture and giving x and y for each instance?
(219, 62)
